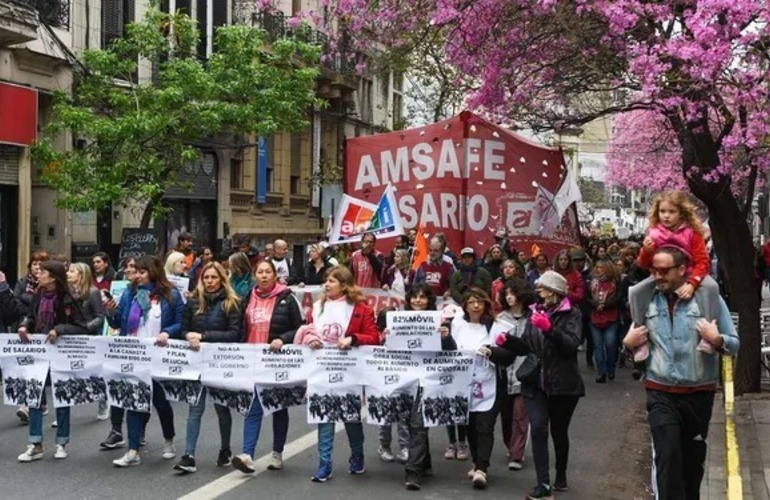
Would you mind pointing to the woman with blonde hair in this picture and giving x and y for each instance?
(316, 266)
(395, 277)
(341, 318)
(87, 295)
(213, 313)
(175, 264)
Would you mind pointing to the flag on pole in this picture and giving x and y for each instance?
(546, 212)
(420, 252)
(386, 219)
(568, 193)
(352, 220)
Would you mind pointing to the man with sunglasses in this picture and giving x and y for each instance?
(680, 380)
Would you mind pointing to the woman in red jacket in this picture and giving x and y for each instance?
(575, 284)
(341, 318)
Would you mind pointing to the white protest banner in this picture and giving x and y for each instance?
(334, 388)
(375, 297)
(446, 387)
(126, 371)
(392, 379)
(182, 284)
(228, 374)
(117, 288)
(413, 330)
(76, 370)
(281, 376)
(25, 368)
(177, 369)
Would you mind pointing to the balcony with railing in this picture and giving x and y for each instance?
(338, 60)
(18, 22)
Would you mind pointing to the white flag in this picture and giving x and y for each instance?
(568, 193)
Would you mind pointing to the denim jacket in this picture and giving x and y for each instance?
(171, 313)
(674, 359)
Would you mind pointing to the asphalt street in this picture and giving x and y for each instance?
(606, 461)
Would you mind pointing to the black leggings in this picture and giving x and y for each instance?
(556, 412)
(457, 430)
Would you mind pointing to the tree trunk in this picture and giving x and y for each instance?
(734, 246)
(147, 215)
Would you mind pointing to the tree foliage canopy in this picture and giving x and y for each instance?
(134, 137)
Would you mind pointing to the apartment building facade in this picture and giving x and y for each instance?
(260, 194)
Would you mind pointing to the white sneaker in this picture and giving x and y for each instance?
(385, 454)
(169, 451)
(479, 480)
(34, 452)
(243, 463)
(103, 413)
(275, 462)
(515, 465)
(61, 453)
(402, 456)
(55, 424)
(130, 459)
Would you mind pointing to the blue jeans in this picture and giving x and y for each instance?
(253, 425)
(605, 348)
(194, 424)
(36, 424)
(137, 421)
(355, 432)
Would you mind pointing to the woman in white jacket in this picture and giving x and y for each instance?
(475, 331)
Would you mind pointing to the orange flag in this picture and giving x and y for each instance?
(420, 253)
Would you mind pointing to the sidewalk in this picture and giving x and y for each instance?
(752, 426)
(752, 423)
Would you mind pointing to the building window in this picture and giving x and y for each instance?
(236, 173)
(296, 163)
(116, 16)
(270, 148)
(365, 100)
(398, 110)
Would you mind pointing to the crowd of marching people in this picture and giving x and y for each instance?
(526, 314)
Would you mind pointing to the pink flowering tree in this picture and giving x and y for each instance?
(644, 153)
(696, 70)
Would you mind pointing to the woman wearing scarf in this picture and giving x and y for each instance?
(272, 317)
(150, 308)
(23, 292)
(241, 274)
(115, 437)
(55, 312)
(212, 314)
(553, 388)
(341, 318)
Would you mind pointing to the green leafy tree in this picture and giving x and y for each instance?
(134, 137)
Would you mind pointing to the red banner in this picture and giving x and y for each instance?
(18, 115)
(465, 177)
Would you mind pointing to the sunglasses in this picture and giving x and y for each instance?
(662, 271)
